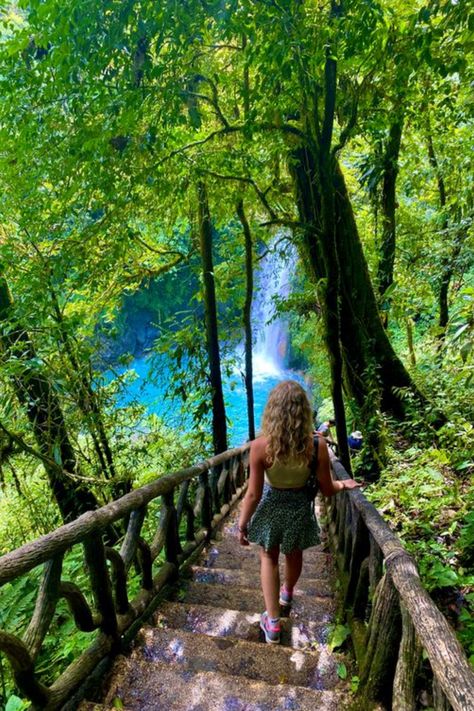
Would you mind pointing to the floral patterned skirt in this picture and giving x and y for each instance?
(286, 518)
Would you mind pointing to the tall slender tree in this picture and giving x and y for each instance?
(247, 316)
(391, 151)
(219, 423)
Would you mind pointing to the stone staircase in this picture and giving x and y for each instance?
(203, 649)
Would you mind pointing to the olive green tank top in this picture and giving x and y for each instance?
(287, 475)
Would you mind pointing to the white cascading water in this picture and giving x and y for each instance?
(271, 330)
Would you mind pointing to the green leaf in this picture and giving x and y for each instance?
(14, 703)
(464, 465)
(355, 681)
(342, 671)
(339, 636)
(117, 703)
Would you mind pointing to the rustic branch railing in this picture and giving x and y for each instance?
(382, 587)
(202, 495)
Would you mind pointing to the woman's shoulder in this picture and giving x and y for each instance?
(259, 444)
(258, 451)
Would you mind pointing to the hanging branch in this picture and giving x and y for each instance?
(50, 463)
(247, 180)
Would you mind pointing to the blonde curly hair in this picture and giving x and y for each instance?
(288, 423)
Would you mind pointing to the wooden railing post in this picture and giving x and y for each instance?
(172, 544)
(240, 477)
(440, 702)
(234, 469)
(45, 606)
(213, 476)
(129, 545)
(340, 522)
(182, 499)
(383, 642)
(361, 593)
(348, 537)
(119, 580)
(84, 620)
(190, 522)
(409, 659)
(226, 486)
(206, 509)
(185, 508)
(94, 552)
(145, 560)
(375, 565)
(360, 551)
(23, 669)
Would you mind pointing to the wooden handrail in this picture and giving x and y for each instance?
(113, 616)
(28, 556)
(378, 527)
(363, 540)
(359, 532)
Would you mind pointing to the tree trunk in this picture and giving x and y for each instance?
(389, 204)
(365, 343)
(247, 317)
(43, 410)
(331, 260)
(371, 367)
(411, 346)
(447, 269)
(219, 426)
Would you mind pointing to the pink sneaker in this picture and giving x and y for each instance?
(271, 629)
(286, 597)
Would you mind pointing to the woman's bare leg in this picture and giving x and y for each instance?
(293, 566)
(270, 577)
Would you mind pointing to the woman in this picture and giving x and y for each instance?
(283, 518)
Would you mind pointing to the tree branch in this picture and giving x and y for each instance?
(272, 249)
(24, 447)
(223, 46)
(329, 101)
(293, 224)
(213, 102)
(262, 194)
(227, 130)
(346, 131)
(157, 250)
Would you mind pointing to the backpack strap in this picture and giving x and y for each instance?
(313, 466)
(314, 459)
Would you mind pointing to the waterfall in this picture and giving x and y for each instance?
(272, 282)
(271, 330)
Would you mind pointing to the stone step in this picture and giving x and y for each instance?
(273, 664)
(92, 706)
(230, 545)
(250, 600)
(229, 554)
(227, 576)
(161, 686)
(220, 622)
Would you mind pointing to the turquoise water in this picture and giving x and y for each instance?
(151, 393)
(270, 350)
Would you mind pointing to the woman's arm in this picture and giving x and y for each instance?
(255, 487)
(327, 484)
